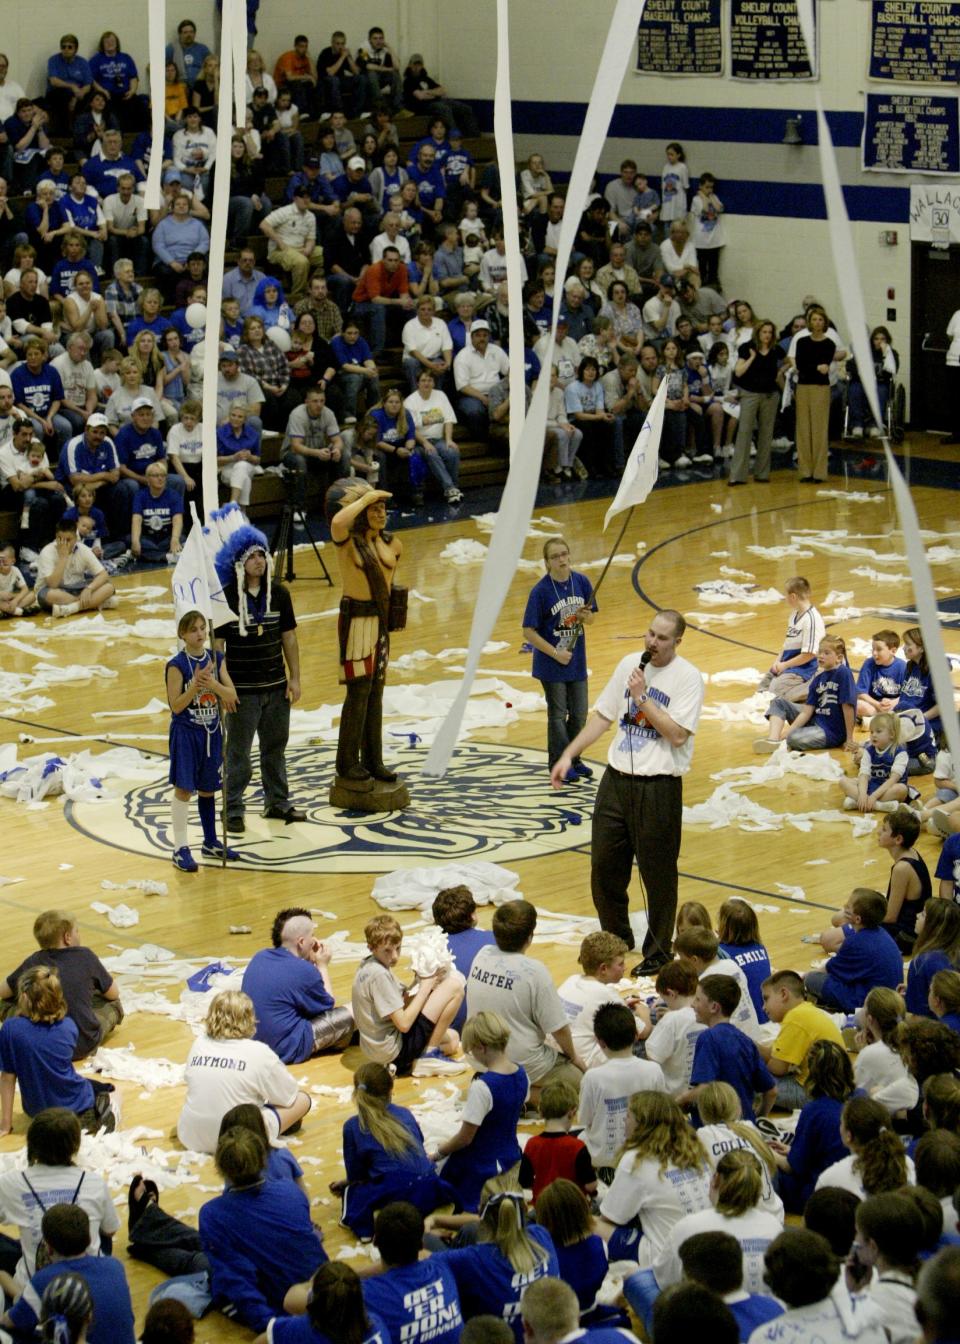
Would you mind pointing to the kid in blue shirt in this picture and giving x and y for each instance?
(384, 1156)
(827, 719)
(724, 1053)
(455, 911)
(336, 1299)
(739, 932)
(917, 693)
(867, 957)
(416, 1299)
(937, 949)
(880, 680)
(948, 869)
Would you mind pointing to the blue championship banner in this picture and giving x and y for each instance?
(911, 133)
(766, 41)
(915, 41)
(680, 37)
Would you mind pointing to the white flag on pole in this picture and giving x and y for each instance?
(195, 583)
(640, 474)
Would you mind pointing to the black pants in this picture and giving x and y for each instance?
(163, 1241)
(637, 817)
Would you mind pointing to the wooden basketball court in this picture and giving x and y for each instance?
(683, 535)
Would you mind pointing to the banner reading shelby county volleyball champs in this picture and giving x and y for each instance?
(681, 37)
(915, 41)
(766, 42)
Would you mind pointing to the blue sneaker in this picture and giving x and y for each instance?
(184, 860)
(583, 770)
(216, 852)
(571, 777)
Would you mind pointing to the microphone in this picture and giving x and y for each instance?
(645, 658)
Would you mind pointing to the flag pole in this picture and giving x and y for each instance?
(626, 524)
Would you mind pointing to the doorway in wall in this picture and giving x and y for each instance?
(935, 297)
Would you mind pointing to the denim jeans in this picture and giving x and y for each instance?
(444, 463)
(265, 716)
(566, 714)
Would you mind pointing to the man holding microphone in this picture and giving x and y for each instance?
(655, 702)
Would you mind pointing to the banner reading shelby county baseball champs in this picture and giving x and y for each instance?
(911, 133)
(766, 42)
(915, 41)
(681, 37)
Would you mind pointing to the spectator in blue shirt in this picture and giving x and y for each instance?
(455, 911)
(27, 137)
(356, 367)
(243, 281)
(69, 79)
(139, 445)
(37, 1046)
(74, 260)
(104, 170)
(437, 140)
(66, 1238)
(115, 74)
(175, 237)
(187, 54)
(150, 318)
(44, 222)
(448, 262)
(726, 1054)
(428, 179)
(38, 392)
(157, 518)
(867, 957)
(459, 174)
(948, 869)
(881, 677)
(827, 718)
(81, 210)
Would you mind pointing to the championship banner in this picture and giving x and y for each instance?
(911, 133)
(681, 37)
(915, 41)
(766, 42)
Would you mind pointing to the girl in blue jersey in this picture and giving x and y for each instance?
(917, 693)
(486, 1143)
(384, 1156)
(492, 1275)
(739, 932)
(195, 682)
(944, 998)
(335, 1314)
(881, 783)
(564, 1210)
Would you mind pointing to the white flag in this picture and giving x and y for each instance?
(640, 474)
(195, 583)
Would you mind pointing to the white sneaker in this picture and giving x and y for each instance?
(857, 432)
(663, 464)
(849, 805)
(682, 461)
(434, 1062)
(762, 746)
(28, 555)
(782, 443)
(111, 602)
(703, 458)
(66, 609)
(887, 807)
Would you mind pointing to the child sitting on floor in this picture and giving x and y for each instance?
(739, 932)
(556, 1152)
(909, 886)
(16, 595)
(455, 911)
(406, 1027)
(606, 1090)
(944, 998)
(878, 1069)
(880, 678)
(670, 1041)
(702, 947)
(602, 966)
(937, 949)
(827, 719)
(486, 1143)
(881, 784)
(791, 673)
(724, 1053)
(383, 1155)
(868, 957)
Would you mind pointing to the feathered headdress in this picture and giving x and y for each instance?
(238, 540)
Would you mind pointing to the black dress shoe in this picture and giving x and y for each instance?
(287, 815)
(650, 965)
(235, 826)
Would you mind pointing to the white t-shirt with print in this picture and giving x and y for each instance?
(842, 1176)
(82, 565)
(223, 1074)
(754, 1230)
(671, 1045)
(53, 1185)
(720, 1139)
(581, 996)
(637, 748)
(521, 990)
(604, 1101)
(430, 414)
(659, 1198)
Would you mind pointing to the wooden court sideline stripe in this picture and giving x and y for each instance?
(54, 731)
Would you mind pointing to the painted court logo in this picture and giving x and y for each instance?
(495, 803)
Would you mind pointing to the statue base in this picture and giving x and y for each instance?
(369, 795)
